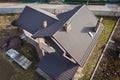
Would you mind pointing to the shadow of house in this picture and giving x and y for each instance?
(62, 39)
(87, 29)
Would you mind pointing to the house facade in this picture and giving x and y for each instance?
(64, 41)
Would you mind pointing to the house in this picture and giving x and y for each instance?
(65, 40)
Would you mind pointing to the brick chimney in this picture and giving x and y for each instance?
(45, 24)
(98, 24)
(68, 27)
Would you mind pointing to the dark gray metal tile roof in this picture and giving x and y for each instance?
(77, 42)
(56, 65)
(63, 17)
(32, 20)
(58, 68)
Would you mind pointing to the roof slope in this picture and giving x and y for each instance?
(77, 42)
(58, 68)
(32, 20)
(63, 17)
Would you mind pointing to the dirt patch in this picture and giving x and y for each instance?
(6, 70)
(6, 31)
(13, 42)
(109, 67)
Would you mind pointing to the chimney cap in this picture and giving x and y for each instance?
(45, 24)
(68, 27)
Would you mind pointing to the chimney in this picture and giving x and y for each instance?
(68, 27)
(98, 24)
(54, 11)
(45, 24)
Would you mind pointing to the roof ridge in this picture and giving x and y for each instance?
(40, 31)
(37, 34)
(69, 20)
(44, 12)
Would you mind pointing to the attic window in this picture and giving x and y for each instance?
(68, 27)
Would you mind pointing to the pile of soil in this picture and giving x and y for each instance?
(13, 42)
(109, 68)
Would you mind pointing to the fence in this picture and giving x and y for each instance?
(45, 1)
(94, 1)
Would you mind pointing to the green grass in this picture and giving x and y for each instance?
(109, 23)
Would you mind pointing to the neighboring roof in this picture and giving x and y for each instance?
(51, 30)
(32, 20)
(77, 42)
(58, 69)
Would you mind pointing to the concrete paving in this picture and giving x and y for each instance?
(38, 5)
(6, 8)
(104, 10)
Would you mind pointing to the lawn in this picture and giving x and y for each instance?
(109, 23)
(109, 67)
(12, 71)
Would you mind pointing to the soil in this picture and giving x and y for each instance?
(6, 71)
(13, 42)
(6, 31)
(9, 34)
(109, 67)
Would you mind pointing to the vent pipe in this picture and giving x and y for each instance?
(45, 24)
